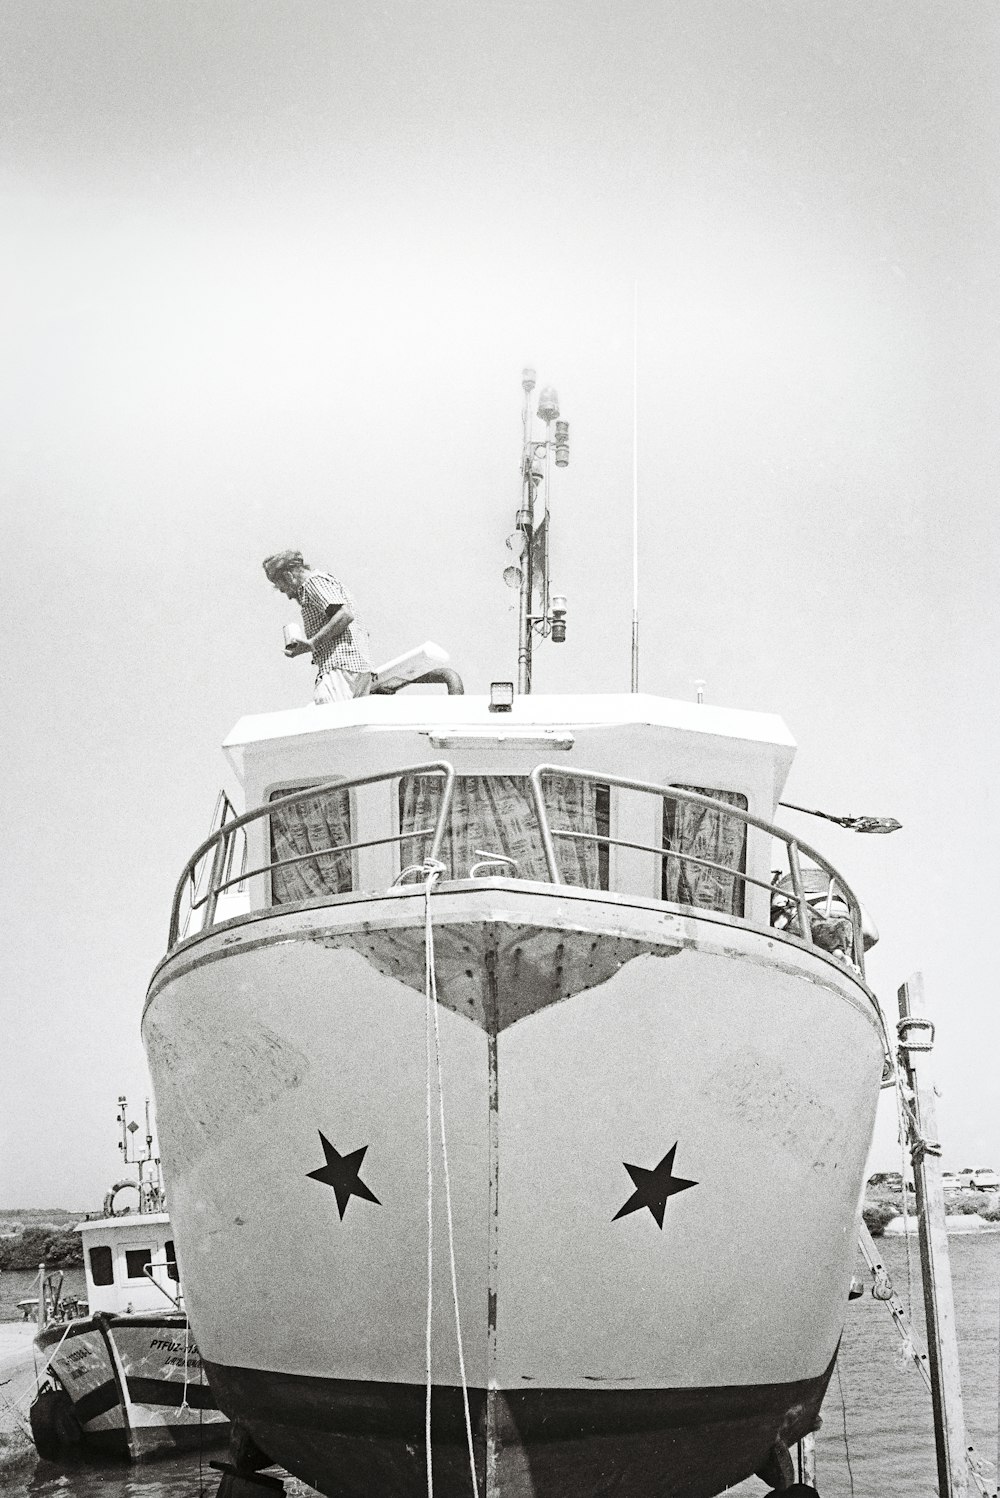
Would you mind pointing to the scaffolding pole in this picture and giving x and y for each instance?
(916, 1037)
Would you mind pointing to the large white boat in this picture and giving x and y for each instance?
(121, 1374)
(515, 1094)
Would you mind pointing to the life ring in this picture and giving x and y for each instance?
(109, 1200)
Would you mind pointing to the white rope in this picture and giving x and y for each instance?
(16, 1401)
(15, 1407)
(447, 1197)
(51, 1355)
(187, 1340)
(433, 872)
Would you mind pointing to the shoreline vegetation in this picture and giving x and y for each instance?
(884, 1204)
(31, 1237)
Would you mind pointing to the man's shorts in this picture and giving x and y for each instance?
(342, 686)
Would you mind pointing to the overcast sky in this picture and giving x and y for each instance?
(272, 270)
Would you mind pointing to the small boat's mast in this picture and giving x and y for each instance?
(539, 611)
(150, 1186)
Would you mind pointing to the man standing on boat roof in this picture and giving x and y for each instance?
(334, 633)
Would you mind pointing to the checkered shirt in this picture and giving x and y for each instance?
(351, 650)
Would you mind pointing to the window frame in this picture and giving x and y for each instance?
(285, 788)
(603, 887)
(101, 1248)
(131, 1253)
(739, 873)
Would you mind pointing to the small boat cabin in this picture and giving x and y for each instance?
(130, 1263)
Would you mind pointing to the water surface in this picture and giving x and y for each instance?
(877, 1439)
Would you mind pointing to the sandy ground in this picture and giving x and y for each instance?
(17, 1387)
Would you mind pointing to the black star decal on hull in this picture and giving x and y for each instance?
(653, 1187)
(343, 1173)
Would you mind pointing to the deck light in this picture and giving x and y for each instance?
(501, 696)
(558, 619)
(562, 444)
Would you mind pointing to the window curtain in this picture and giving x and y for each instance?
(709, 833)
(316, 822)
(495, 814)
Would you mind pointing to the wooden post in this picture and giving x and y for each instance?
(916, 1036)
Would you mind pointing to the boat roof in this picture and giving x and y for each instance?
(425, 712)
(146, 1221)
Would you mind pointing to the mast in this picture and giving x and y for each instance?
(524, 525)
(635, 490)
(150, 1182)
(539, 610)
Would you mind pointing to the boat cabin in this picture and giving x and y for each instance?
(742, 758)
(130, 1263)
(636, 797)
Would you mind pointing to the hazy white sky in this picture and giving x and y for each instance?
(273, 268)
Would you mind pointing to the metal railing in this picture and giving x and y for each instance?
(220, 843)
(795, 908)
(807, 914)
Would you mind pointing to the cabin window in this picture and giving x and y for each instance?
(171, 1253)
(301, 838)
(496, 814)
(102, 1268)
(708, 852)
(136, 1262)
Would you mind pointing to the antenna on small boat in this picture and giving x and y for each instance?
(635, 488)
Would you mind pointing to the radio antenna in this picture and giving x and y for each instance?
(635, 488)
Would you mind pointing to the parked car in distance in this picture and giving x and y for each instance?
(985, 1180)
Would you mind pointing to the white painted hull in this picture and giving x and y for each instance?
(136, 1383)
(665, 1358)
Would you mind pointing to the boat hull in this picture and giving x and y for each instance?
(350, 1438)
(656, 1126)
(136, 1384)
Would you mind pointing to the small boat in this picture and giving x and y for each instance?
(123, 1376)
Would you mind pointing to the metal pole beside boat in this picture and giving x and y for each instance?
(916, 1037)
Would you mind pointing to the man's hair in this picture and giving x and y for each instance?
(281, 563)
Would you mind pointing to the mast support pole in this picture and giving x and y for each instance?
(524, 640)
(915, 1041)
(525, 524)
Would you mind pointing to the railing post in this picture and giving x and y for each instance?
(444, 812)
(548, 846)
(859, 937)
(805, 913)
(215, 879)
(939, 1306)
